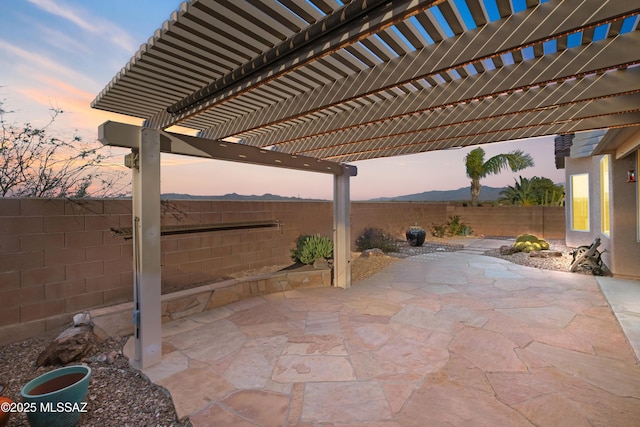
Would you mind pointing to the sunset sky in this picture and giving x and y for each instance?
(62, 53)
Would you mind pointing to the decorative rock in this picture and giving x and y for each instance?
(508, 250)
(372, 253)
(321, 264)
(82, 319)
(71, 345)
(545, 254)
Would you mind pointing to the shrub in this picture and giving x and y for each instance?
(453, 227)
(310, 248)
(438, 230)
(376, 238)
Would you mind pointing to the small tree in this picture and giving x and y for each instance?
(546, 192)
(33, 163)
(478, 168)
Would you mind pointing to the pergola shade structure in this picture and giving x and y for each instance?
(315, 79)
(399, 77)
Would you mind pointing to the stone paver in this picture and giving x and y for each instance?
(453, 339)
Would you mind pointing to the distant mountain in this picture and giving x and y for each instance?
(461, 194)
(231, 196)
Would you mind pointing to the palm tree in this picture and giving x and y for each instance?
(520, 194)
(533, 191)
(477, 167)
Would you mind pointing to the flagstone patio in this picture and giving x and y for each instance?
(454, 339)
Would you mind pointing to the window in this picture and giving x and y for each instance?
(580, 202)
(605, 221)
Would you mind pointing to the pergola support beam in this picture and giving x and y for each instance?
(124, 135)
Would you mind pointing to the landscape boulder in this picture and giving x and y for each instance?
(71, 345)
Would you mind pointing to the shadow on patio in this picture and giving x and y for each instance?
(437, 339)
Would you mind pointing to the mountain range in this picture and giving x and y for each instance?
(231, 196)
(461, 194)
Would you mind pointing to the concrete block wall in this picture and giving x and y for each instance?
(395, 218)
(210, 256)
(58, 257)
(543, 221)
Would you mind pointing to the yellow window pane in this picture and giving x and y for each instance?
(604, 196)
(580, 202)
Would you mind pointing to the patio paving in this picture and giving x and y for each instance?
(453, 339)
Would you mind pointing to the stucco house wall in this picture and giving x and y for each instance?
(621, 245)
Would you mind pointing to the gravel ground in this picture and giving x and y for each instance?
(562, 263)
(120, 396)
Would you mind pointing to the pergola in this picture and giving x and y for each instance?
(313, 85)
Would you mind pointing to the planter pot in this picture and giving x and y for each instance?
(4, 416)
(416, 235)
(57, 396)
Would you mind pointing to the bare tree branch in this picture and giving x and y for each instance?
(33, 163)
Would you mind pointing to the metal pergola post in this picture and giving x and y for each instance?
(146, 253)
(341, 232)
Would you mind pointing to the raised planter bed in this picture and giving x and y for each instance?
(115, 320)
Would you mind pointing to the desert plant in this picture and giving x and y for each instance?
(530, 242)
(519, 194)
(438, 230)
(453, 227)
(310, 248)
(533, 191)
(376, 238)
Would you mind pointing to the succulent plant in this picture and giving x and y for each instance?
(529, 242)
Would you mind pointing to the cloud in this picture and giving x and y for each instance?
(61, 41)
(91, 24)
(39, 62)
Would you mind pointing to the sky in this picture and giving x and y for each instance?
(62, 53)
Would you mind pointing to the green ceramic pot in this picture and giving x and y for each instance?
(56, 398)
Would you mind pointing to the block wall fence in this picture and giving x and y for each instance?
(59, 257)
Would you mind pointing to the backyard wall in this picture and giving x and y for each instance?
(59, 257)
